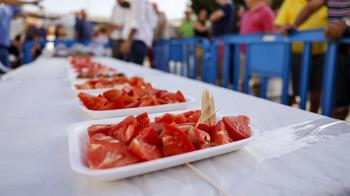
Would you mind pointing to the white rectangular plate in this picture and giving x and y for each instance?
(134, 111)
(78, 138)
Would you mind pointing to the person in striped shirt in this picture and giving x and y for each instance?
(338, 27)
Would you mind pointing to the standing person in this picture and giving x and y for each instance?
(8, 10)
(223, 18)
(83, 28)
(259, 18)
(338, 27)
(116, 24)
(138, 32)
(286, 17)
(201, 28)
(186, 30)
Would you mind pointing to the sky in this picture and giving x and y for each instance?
(174, 9)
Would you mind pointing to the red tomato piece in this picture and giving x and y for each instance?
(144, 150)
(143, 120)
(207, 128)
(175, 141)
(95, 129)
(178, 96)
(105, 152)
(126, 130)
(194, 117)
(92, 102)
(199, 138)
(149, 135)
(237, 127)
(220, 135)
(157, 126)
(112, 95)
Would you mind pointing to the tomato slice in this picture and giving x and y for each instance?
(157, 126)
(206, 128)
(237, 127)
(220, 135)
(194, 117)
(105, 152)
(144, 150)
(143, 120)
(199, 138)
(125, 131)
(149, 135)
(112, 95)
(92, 102)
(178, 96)
(175, 141)
(95, 129)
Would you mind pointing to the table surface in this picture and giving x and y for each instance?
(298, 153)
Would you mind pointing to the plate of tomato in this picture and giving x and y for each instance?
(118, 148)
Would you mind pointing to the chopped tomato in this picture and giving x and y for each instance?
(149, 135)
(199, 138)
(95, 129)
(157, 126)
(207, 128)
(220, 135)
(126, 130)
(92, 102)
(175, 141)
(112, 95)
(194, 117)
(103, 153)
(143, 120)
(144, 150)
(237, 127)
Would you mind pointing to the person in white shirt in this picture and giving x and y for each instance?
(138, 31)
(116, 23)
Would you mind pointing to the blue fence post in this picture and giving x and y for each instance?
(264, 87)
(285, 74)
(246, 80)
(236, 66)
(328, 79)
(226, 64)
(305, 75)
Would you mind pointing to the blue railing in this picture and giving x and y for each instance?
(267, 55)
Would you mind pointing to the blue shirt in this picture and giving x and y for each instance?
(6, 14)
(225, 24)
(84, 30)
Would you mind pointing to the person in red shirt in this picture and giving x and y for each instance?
(259, 18)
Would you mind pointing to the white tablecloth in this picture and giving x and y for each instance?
(292, 156)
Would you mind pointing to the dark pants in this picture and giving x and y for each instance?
(316, 72)
(116, 44)
(138, 52)
(4, 56)
(342, 78)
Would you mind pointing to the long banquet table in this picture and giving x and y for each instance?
(298, 153)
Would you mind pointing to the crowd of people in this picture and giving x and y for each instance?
(135, 25)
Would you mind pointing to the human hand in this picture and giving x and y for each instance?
(336, 30)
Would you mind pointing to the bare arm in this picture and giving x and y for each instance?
(200, 27)
(217, 15)
(311, 7)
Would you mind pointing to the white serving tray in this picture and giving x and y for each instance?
(78, 138)
(133, 111)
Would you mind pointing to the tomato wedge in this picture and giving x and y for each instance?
(144, 150)
(126, 130)
(237, 127)
(92, 102)
(220, 135)
(95, 129)
(175, 141)
(112, 95)
(106, 152)
(143, 120)
(199, 138)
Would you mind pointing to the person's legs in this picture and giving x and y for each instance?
(295, 68)
(342, 81)
(116, 49)
(137, 52)
(316, 82)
